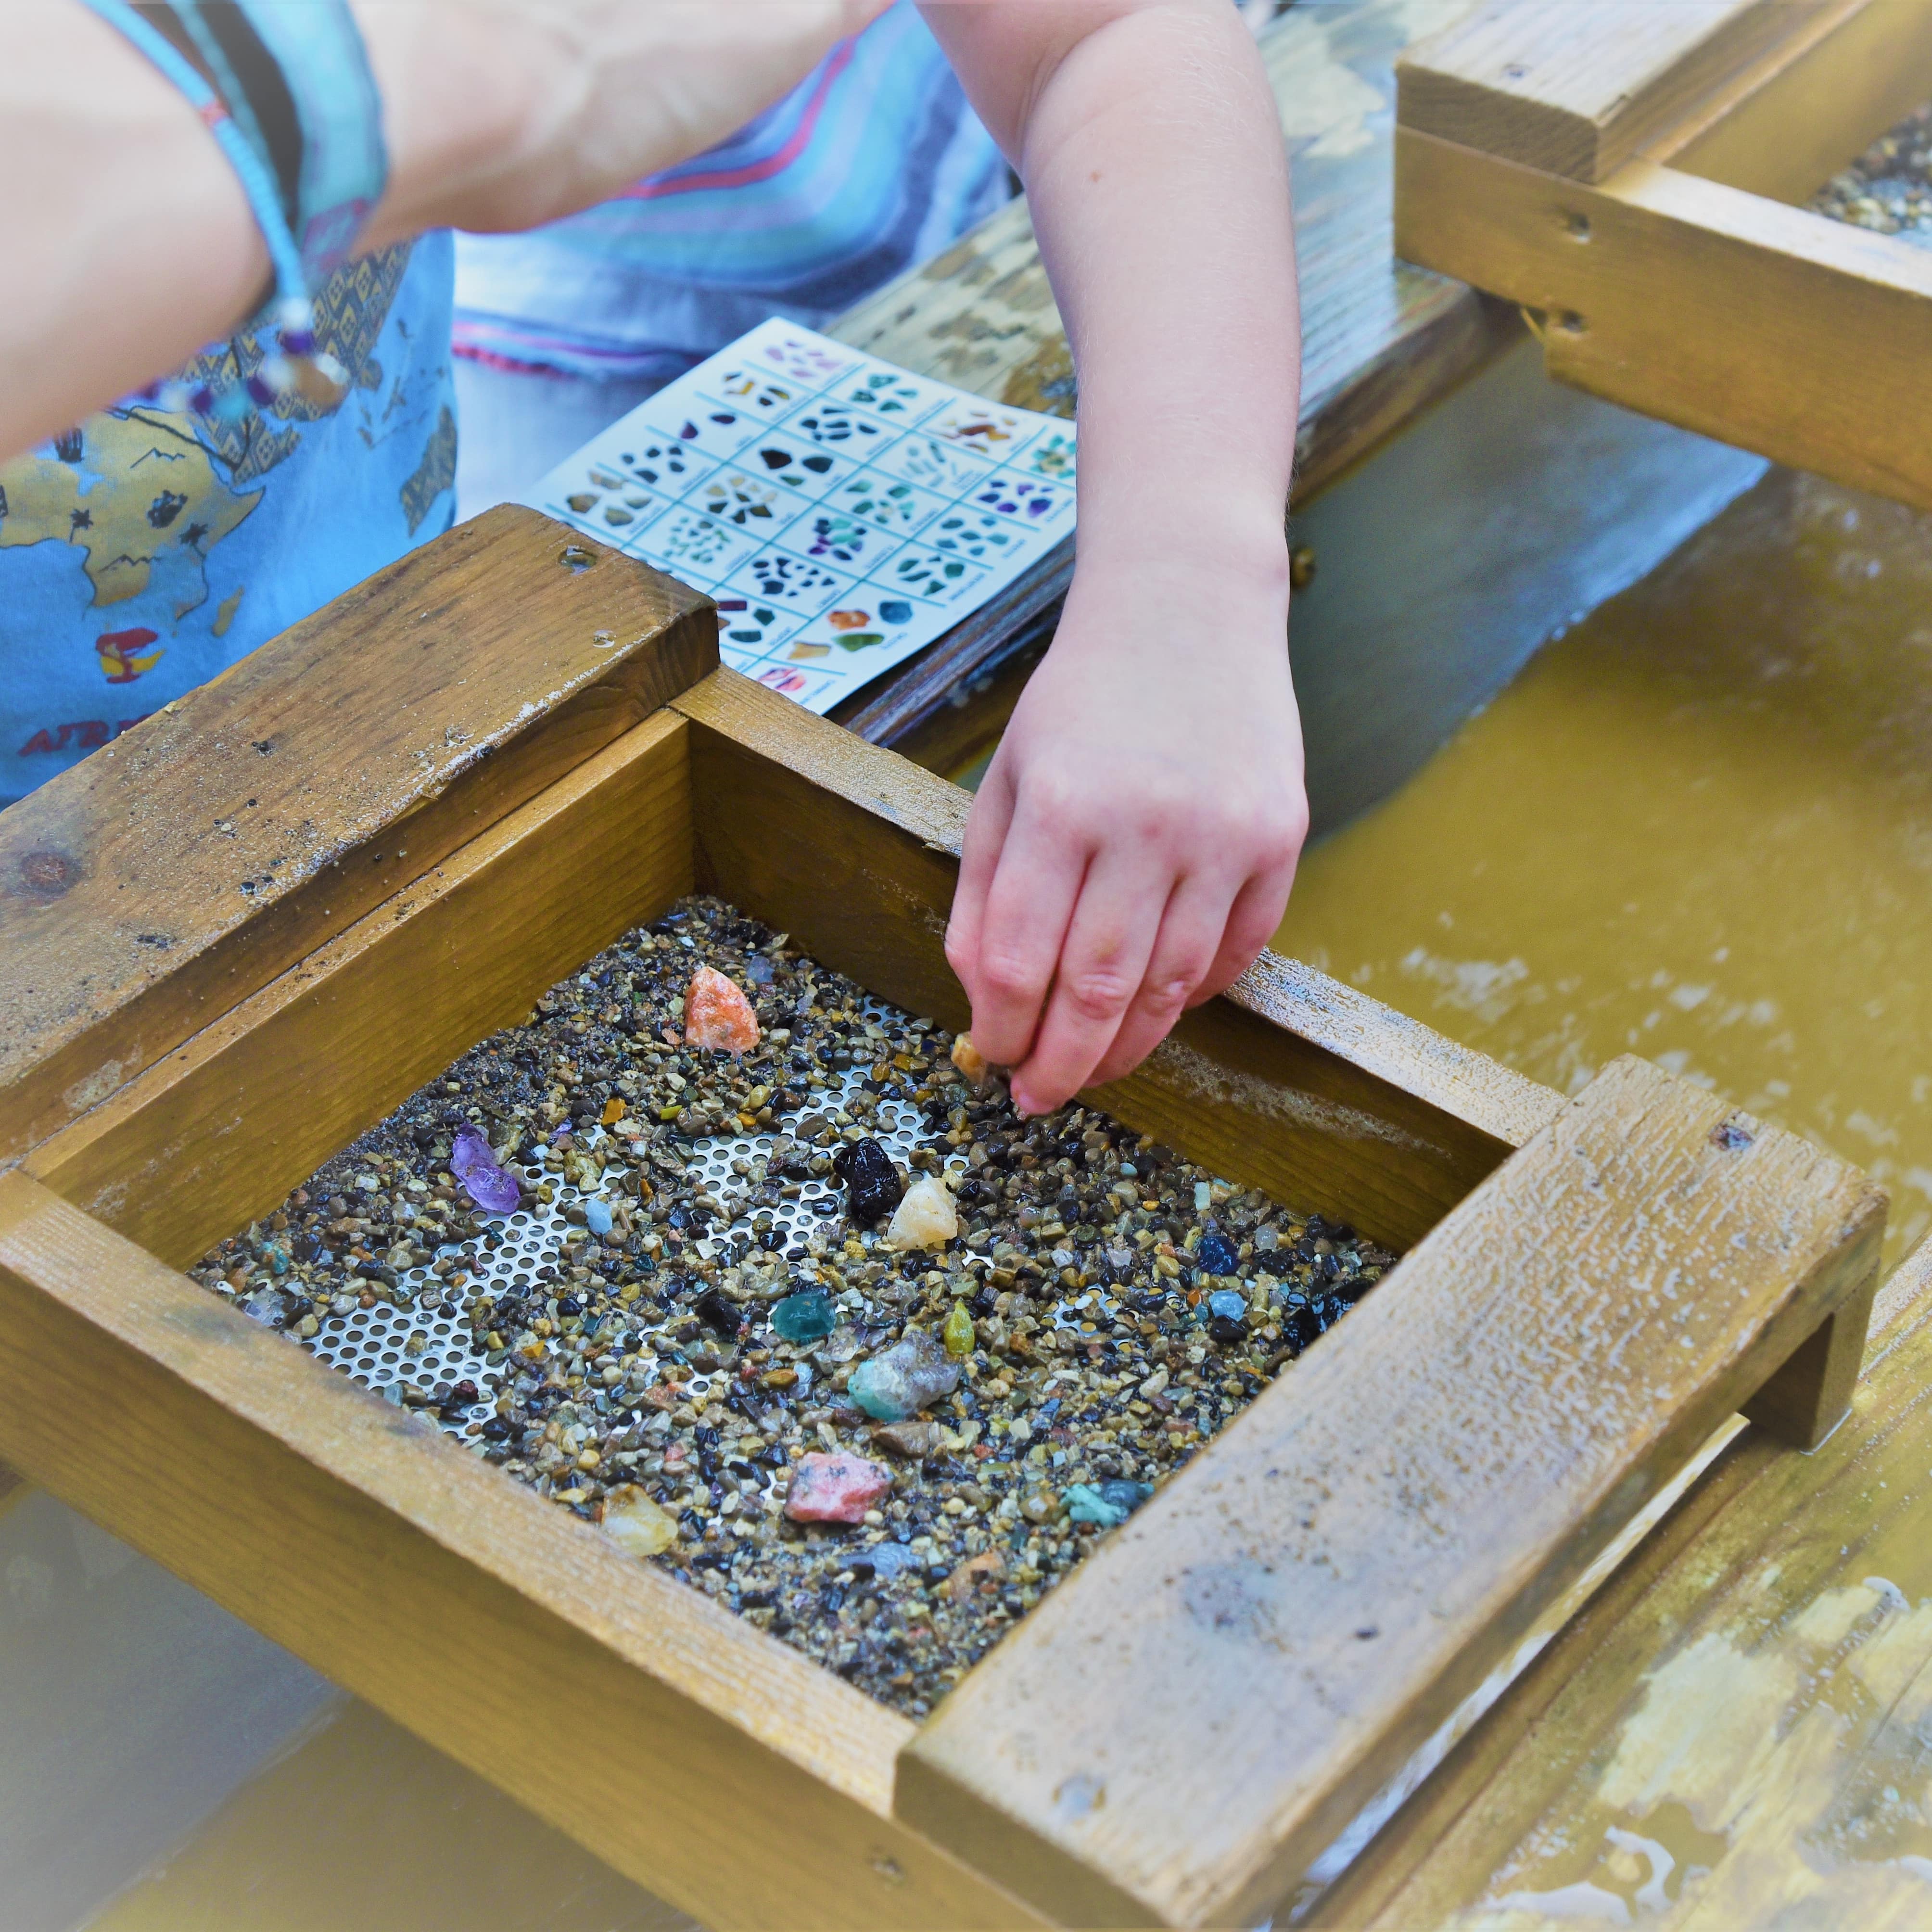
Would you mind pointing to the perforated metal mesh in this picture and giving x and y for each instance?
(384, 1348)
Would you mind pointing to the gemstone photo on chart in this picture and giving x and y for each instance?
(978, 535)
(802, 359)
(992, 431)
(716, 432)
(848, 631)
(610, 500)
(747, 627)
(947, 471)
(758, 394)
(733, 497)
(669, 466)
(1051, 456)
(798, 583)
(836, 426)
(1026, 500)
(891, 392)
(934, 575)
(798, 464)
(683, 540)
(901, 509)
(838, 539)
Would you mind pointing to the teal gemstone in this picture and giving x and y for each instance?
(804, 1317)
(1229, 1304)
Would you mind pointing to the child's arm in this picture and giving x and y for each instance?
(1132, 846)
(126, 243)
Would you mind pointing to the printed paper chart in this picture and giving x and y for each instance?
(842, 512)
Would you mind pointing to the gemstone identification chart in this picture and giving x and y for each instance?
(842, 512)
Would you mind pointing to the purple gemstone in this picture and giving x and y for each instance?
(490, 1186)
(202, 401)
(259, 393)
(298, 341)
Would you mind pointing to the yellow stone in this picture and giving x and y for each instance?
(958, 1330)
(636, 1524)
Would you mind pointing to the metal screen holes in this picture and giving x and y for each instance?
(382, 1347)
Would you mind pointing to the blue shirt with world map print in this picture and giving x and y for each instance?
(145, 550)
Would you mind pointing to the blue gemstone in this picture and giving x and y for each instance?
(597, 1217)
(1229, 1304)
(1216, 1253)
(895, 612)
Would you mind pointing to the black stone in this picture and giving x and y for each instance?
(569, 1305)
(717, 1314)
(1226, 1331)
(1216, 1253)
(872, 1185)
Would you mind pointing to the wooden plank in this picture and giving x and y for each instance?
(1755, 1638)
(1288, 1082)
(1801, 113)
(183, 866)
(727, 1773)
(1576, 90)
(206, 1140)
(1722, 311)
(1319, 1589)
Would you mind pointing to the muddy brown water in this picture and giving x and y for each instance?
(1698, 826)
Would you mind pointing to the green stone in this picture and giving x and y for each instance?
(958, 1333)
(807, 1317)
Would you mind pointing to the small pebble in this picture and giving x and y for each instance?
(1227, 1303)
(1108, 1504)
(597, 1216)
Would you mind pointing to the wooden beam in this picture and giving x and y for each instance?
(1327, 1581)
(1804, 109)
(1722, 311)
(181, 868)
(206, 1140)
(1576, 90)
(1288, 1082)
(1750, 1664)
(707, 1761)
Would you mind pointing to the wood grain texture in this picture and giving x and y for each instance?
(1798, 114)
(1748, 1693)
(733, 1777)
(1431, 1474)
(1288, 1082)
(207, 1139)
(1721, 311)
(179, 868)
(1576, 90)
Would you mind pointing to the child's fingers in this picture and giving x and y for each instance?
(1028, 908)
(1189, 942)
(1253, 920)
(986, 826)
(1102, 963)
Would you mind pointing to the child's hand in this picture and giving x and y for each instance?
(1132, 846)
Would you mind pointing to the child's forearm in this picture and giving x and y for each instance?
(1133, 845)
(1157, 176)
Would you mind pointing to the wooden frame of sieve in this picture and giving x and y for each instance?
(246, 930)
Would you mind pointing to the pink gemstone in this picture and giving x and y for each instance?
(835, 1489)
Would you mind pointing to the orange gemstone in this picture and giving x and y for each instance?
(613, 1112)
(850, 620)
(717, 1015)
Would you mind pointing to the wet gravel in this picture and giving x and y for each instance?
(1107, 1305)
(1889, 187)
